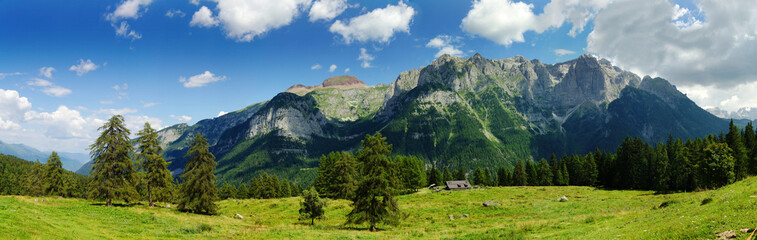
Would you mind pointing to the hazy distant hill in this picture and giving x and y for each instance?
(71, 161)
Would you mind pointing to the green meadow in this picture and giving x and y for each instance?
(524, 213)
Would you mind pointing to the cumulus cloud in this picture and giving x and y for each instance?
(200, 80)
(64, 123)
(315, 67)
(39, 82)
(346, 70)
(124, 31)
(378, 25)
(195, 2)
(175, 13)
(505, 21)
(12, 105)
(83, 67)
(445, 45)
(332, 68)
(244, 20)
(563, 52)
(365, 57)
(182, 118)
(221, 113)
(46, 72)
(203, 18)
(136, 123)
(327, 9)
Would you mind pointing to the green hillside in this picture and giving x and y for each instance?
(525, 213)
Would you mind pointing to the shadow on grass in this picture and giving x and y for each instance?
(118, 204)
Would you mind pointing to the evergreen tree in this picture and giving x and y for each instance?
(34, 180)
(411, 169)
(198, 192)
(311, 206)
(533, 176)
(736, 143)
(592, 171)
(286, 189)
(487, 177)
(242, 192)
(565, 175)
(337, 175)
(446, 175)
(435, 177)
(750, 144)
(502, 177)
(520, 177)
(460, 174)
(151, 161)
(227, 191)
(716, 169)
(374, 199)
(54, 184)
(112, 169)
(545, 173)
(478, 177)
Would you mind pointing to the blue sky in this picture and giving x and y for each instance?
(132, 55)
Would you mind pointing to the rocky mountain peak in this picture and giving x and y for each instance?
(341, 82)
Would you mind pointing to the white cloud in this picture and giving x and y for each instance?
(83, 67)
(136, 123)
(8, 125)
(175, 13)
(121, 87)
(39, 82)
(315, 67)
(56, 91)
(332, 68)
(221, 113)
(445, 45)
(640, 35)
(730, 99)
(203, 18)
(505, 21)
(13, 106)
(365, 57)
(106, 102)
(64, 123)
(114, 111)
(123, 31)
(182, 118)
(327, 9)
(244, 20)
(128, 9)
(200, 80)
(49, 88)
(149, 105)
(563, 52)
(346, 70)
(46, 72)
(195, 2)
(3, 75)
(378, 25)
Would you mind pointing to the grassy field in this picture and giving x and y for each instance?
(525, 213)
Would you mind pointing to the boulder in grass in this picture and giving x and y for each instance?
(562, 199)
(491, 203)
(238, 216)
(727, 235)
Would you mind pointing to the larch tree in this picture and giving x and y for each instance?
(311, 206)
(374, 199)
(198, 192)
(54, 184)
(151, 161)
(112, 169)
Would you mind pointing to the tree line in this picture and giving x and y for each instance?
(676, 165)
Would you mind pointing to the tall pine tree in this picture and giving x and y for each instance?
(112, 169)
(54, 185)
(374, 199)
(520, 178)
(151, 161)
(198, 192)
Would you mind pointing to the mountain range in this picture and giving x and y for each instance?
(71, 161)
(455, 112)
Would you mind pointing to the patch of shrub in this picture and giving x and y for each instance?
(199, 229)
(667, 203)
(706, 201)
